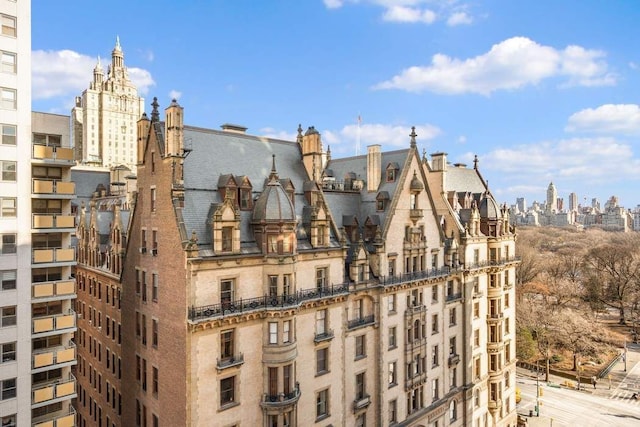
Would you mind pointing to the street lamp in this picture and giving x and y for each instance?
(537, 389)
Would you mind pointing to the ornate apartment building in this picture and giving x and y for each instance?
(104, 117)
(102, 236)
(264, 282)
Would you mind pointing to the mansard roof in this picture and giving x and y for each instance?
(362, 203)
(215, 153)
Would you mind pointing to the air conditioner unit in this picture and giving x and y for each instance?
(79, 315)
(154, 252)
(143, 250)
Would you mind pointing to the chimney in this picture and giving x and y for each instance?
(229, 127)
(439, 162)
(374, 165)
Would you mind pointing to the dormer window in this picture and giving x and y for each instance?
(279, 244)
(381, 201)
(227, 239)
(245, 201)
(392, 172)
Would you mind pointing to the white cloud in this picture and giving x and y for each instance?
(65, 74)
(59, 73)
(608, 118)
(278, 134)
(414, 11)
(175, 94)
(510, 64)
(462, 139)
(333, 4)
(459, 18)
(409, 14)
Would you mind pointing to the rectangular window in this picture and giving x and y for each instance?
(321, 322)
(361, 350)
(8, 389)
(434, 294)
(286, 331)
(8, 352)
(322, 403)
(8, 98)
(8, 25)
(392, 338)
(8, 170)
(476, 338)
(155, 381)
(153, 199)
(435, 356)
(8, 280)
(321, 278)
(322, 361)
(227, 344)
(391, 303)
(273, 285)
(452, 346)
(227, 239)
(361, 390)
(435, 389)
(154, 289)
(452, 316)
(392, 378)
(227, 391)
(273, 332)
(286, 284)
(226, 292)
(434, 324)
(8, 136)
(154, 332)
(393, 411)
(7, 316)
(9, 420)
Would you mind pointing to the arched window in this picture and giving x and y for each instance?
(453, 412)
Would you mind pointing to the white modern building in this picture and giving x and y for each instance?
(15, 227)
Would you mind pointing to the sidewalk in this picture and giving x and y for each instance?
(604, 387)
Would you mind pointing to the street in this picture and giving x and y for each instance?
(587, 407)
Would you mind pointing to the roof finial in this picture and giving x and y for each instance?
(413, 136)
(155, 115)
(274, 173)
(475, 162)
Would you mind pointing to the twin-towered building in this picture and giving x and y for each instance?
(256, 280)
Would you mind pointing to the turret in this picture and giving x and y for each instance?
(143, 132)
(312, 153)
(173, 129)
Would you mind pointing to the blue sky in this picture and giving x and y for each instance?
(541, 91)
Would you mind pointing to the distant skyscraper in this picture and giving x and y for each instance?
(104, 118)
(560, 204)
(573, 202)
(521, 202)
(595, 203)
(552, 196)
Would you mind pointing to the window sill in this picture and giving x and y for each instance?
(363, 356)
(228, 406)
(322, 417)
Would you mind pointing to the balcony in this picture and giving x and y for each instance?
(64, 418)
(62, 388)
(52, 154)
(53, 222)
(495, 318)
(58, 288)
(454, 359)
(361, 322)
(53, 189)
(416, 309)
(324, 336)
(494, 405)
(361, 402)
(53, 255)
(51, 357)
(278, 302)
(54, 323)
(433, 273)
(415, 380)
(415, 214)
(229, 362)
(281, 400)
(454, 297)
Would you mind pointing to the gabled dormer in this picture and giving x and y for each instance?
(351, 227)
(391, 172)
(225, 226)
(359, 263)
(228, 187)
(319, 226)
(245, 190)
